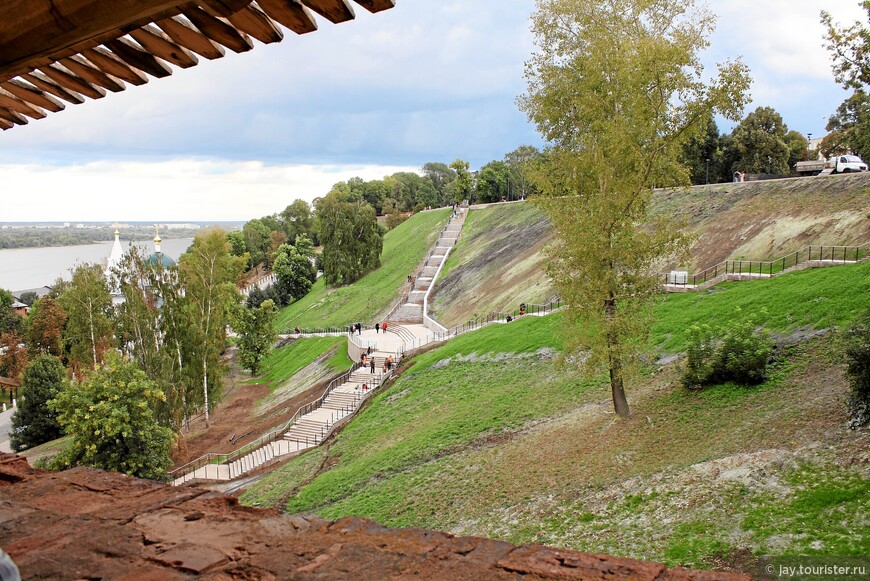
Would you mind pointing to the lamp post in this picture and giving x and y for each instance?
(708, 170)
(809, 146)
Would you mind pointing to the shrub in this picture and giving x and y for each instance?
(858, 371)
(736, 352)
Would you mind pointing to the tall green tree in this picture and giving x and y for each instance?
(257, 240)
(87, 302)
(616, 88)
(849, 127)
(110, 417)
(34, 421)
(352, 240)
(9, 321)
(760, 143)
(850, 49)
(441, 175)
(495, 182)
(461, 188)
(294, 268)
(298, 220)
(521, 161)
(257, 336)
(702, 155)
(208, 274)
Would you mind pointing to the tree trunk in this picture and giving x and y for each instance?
(617, 389)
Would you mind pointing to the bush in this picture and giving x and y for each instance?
(735, 353)
(858, 371)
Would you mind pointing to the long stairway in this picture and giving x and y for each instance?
(412, 311)
(315, 421)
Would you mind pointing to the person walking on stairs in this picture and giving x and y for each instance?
(377, 328)
(384, 326)
(373, 366)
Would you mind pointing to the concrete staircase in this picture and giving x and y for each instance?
(411, 312)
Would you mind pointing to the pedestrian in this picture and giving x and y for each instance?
(385, 365)
(362, 360)
(509, 318)
(298, 330)
(369, 350)
(365, 387)
(377, 328)
(384, 326)
(373, 365)
(359, 328)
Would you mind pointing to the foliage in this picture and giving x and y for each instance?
(617, 88)
(737, 352)
(208, 274)
(702, 154)
(850, 49)
(461, 188)
(404, 247)
(352, 240)
(294, 269)
(441, 175)
(238, 247)
(256, 329)
(760, 143)
(849, 127)
(45, 326)
(34, 422)
(521, 160)
(13, 354)
(110, 417)
(284, 362)
(495, 182)
(87, 301)
(9, 321)
(28, 298)
(858, 371)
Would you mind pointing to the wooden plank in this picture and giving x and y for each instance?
(138, 58)
(154, 41)
(4, 125)
(251, 20)
(30, 29)
(290, 13)
(226, 7)
(187, 36)
(13, 103)
(29, 93)
(375, 6)
(78, 66)
(43, 83)
(333, 10)
(70, 81)
(110, 64)
(12, 117)
(218, 30)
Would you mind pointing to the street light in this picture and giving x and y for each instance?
(708, 170)
(809, 145)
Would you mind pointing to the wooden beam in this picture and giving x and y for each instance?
(333, 10)
(12, 117)
(72, 82)
(30, 29)
(40, 81)
(11, 102)
(29, 93)
(78, 66)
(110, 64)
(375, 6)
(187, 36)
(218, 30)
(154, 41)
(290, 13)
(226, 7)
(251, 20)
(138, 58)
(4, 125)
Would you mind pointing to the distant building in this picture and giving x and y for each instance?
(158, 258)
(40, 292)
(20, 308)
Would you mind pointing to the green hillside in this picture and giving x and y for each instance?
(405, 247)
(499, 261)
(491, 434)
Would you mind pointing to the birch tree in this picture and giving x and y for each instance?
(616, 87)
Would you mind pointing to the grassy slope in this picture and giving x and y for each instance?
(284, 362)
(366, 300)
(529, 450)
(500, 254)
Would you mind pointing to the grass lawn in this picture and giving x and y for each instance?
(490, 435)
(405, 247)
(283, 363)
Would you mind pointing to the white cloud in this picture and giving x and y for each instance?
(180, 189)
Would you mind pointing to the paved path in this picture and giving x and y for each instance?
(5, 429)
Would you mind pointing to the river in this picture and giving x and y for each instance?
(23, 268)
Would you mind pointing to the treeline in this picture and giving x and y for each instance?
(26, 237)
(123, 376)
(344, 222)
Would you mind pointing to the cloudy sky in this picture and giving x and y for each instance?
(430, 80)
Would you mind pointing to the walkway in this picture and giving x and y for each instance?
(409, 327)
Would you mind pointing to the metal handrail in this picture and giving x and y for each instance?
(771, 267)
